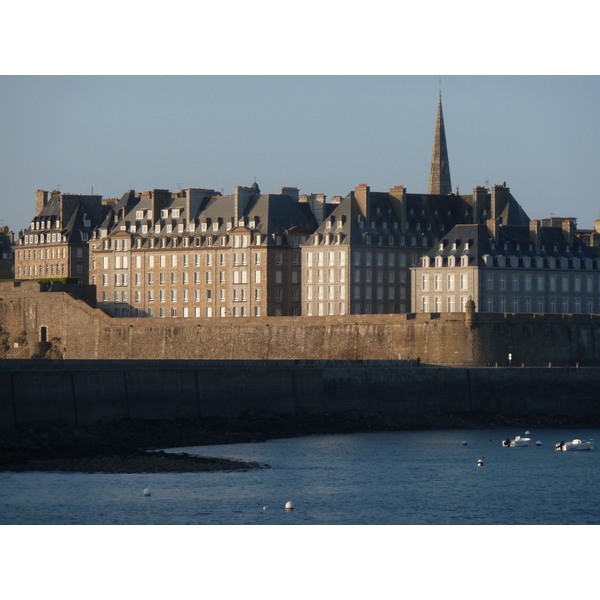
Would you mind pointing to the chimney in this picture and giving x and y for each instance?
(500, 195)
(479, 200)
(241, 197)
(398, 203)
(41, 199)
(494, 228)
(361, 194)
(316, 203)
(292, 192)
(534, 234)
(568, 226)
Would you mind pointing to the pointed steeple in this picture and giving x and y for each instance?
(439, 177)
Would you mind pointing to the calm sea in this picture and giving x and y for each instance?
(403, 478)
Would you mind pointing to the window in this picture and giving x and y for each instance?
(463, 282)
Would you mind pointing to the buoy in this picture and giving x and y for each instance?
(289, 505)
(264, 508)
(527, 433)
(480, 463)
(464, 443)
(538, 443)
(147, 492)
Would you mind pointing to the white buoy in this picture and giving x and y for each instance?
(264, 508)
(147, 492)
(289, 505)
(464, 443)
(527, 433)
(538, 443)
(480, 463)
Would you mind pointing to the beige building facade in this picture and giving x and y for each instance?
(55, 245)
(196, 253)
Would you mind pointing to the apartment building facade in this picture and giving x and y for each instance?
(196, 253)
(359, 260)
(510, 269)
(55, 244)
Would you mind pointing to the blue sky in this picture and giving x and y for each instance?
(318, 133)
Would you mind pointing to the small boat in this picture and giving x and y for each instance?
(576, 444)
(517, 442)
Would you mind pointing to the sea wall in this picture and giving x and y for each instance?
(88, 392)
(57, 325)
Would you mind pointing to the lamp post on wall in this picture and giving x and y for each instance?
(510, 359)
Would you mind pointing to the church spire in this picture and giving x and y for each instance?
(439, 177)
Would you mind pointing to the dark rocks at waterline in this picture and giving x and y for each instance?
(138, 462)
(120, 446)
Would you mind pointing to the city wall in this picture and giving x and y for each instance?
(87, 392)
(57, 325)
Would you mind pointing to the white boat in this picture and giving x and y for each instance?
(517, 442)
(576, 444)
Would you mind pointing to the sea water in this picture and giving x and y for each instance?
(395, 478)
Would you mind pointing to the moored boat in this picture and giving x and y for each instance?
(576, 444)
(517, 442)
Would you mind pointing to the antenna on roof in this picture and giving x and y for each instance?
(440, 86)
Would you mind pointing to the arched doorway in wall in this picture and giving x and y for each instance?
(43, 334)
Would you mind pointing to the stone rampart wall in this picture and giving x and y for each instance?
(77, 330)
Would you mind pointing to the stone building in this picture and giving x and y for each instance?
(56, 243)
(7, 253)
(196, 253)
(590, 237)
(509, 264)
(358, 261)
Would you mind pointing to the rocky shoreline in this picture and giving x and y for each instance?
(123, 446)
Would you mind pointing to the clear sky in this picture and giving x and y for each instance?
(318, 133)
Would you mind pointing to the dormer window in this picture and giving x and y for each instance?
(164, 214)
(175, 213)
(139, 214)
